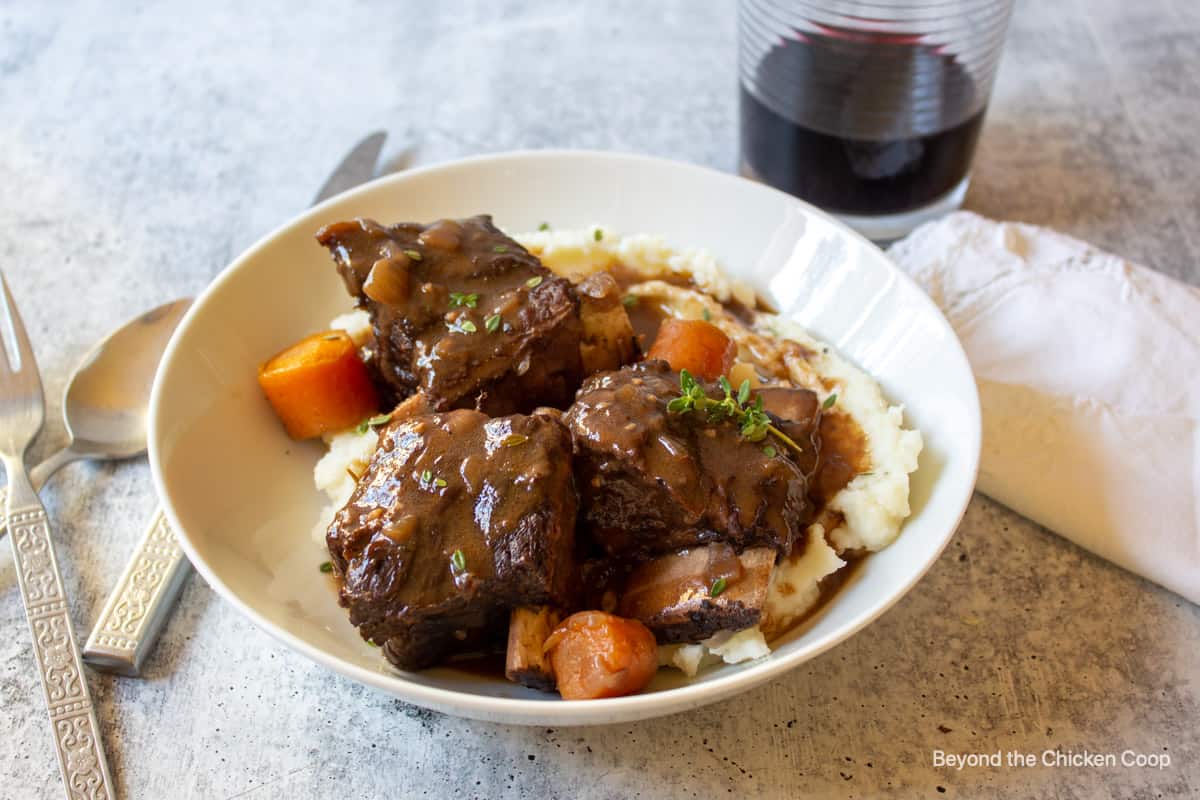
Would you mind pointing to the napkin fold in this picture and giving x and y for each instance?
(1088, 369)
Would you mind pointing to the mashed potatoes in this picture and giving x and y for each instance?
(864, 516)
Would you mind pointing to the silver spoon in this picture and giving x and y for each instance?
(104, 406)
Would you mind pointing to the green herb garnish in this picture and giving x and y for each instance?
(545, 226)
(427, 479)
(717, 587)
(707, 315)
(326, 566)
(415, 255)
(829, 401)
(534, 282)
(463, 326)
(458, 561)
(492, 323)
(458, 300)
(598, 234)
(373, 422)
(500, 248)
(514, 439)
(751, 419)
(629, 300)
(769, 451)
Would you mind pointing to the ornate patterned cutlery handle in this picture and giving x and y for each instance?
(138, 606)
(72, 716)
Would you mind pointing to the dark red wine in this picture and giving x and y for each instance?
(858, 123)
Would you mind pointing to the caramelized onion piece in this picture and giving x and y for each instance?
(444, 234)
(387, 282)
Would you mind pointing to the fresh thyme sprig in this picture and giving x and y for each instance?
(751, 419)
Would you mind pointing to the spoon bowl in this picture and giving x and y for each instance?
(106, 401)
(105, 404)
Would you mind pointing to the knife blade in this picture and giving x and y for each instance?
(357, 167)
(138, 606)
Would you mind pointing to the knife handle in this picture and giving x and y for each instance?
(139, 605)
(73, 721)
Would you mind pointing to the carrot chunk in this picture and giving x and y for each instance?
(700, 347)
(318, 385)
(595, 654)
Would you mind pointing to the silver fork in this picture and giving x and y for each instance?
(72, 716)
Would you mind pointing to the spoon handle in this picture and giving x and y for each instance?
(139, 604)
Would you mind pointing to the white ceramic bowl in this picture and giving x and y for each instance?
(240, 493)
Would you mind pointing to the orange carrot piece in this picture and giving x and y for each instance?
(700, 347)
(318, 385)
(595, 654)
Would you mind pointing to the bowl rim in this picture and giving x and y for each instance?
(526, 711)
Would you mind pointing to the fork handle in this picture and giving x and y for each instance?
(38, 476)
(140, 603)
(73, 722)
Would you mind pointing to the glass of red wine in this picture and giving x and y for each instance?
(869, 109)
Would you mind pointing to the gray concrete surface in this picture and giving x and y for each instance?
(143, 145)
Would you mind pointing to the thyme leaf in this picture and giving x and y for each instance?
(372, 422)
(752, 420)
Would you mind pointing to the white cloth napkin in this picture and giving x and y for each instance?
(1088, 369)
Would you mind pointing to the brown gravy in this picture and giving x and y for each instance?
(646, 316)
(843, 456)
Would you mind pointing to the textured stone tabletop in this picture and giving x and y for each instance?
(143, 145)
